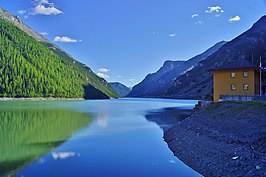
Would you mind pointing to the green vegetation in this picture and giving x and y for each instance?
(29, 68)
(27, 134)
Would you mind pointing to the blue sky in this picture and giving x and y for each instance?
(124, 40)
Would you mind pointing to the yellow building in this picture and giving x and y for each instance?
(236, 79)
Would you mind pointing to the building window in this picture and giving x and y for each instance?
(232, 74)
(245, 74)
(233, 87)
(245, 87)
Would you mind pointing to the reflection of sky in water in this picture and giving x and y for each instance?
(63, 155)
(102, 119)
(119, 142)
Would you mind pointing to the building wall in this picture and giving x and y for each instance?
(223, 82)
(257, 82)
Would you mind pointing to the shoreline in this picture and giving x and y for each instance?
(40, 99)
(222, 139)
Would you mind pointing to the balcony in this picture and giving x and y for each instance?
(245, 98)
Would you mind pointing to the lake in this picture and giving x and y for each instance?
(119, 137)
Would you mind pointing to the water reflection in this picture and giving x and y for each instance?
(168, 117)
(27, 134)
(63, 155)
(119, 142)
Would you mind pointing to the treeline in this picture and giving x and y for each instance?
(29, 69)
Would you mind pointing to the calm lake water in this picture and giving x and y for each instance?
(88, 138)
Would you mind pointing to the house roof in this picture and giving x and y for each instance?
(240, 64)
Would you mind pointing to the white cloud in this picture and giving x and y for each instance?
(40, 2)
(194, 15)
(44, 33)
(132, 80)
(41, 7)
(44, 7)
(104, 70)
(65, 39)
(21, 12)
(234, 19)
(172, 161)
(214, 9)
(172, 35)
(103, 75)
(44, 10)
(119, 76)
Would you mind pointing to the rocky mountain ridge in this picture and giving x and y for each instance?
(156, 84)
(198, 82)
(19, 23)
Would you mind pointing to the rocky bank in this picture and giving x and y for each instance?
(222, 139)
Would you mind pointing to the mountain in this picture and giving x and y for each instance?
(17, 22)
(156, 84)
(198, 82)
(121, 89)
(31, 66)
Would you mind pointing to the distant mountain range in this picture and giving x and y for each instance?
(31, 66)
(192, 79)
(198, 82)
(156, 84)
(121, 89)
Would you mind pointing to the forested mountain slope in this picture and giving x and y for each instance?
(30, 67)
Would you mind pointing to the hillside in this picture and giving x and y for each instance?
(121, 89)
(33, 67)
(198, 82)
(156, 84)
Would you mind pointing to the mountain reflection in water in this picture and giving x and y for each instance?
(168, 117)
(27, 134)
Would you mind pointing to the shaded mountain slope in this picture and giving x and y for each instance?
(121, 89)
(198, 82)
(156, 84)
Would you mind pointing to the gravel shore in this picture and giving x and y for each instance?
(222, 139)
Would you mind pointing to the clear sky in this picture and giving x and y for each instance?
(124, 40)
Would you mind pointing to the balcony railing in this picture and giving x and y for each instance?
(243, 98)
